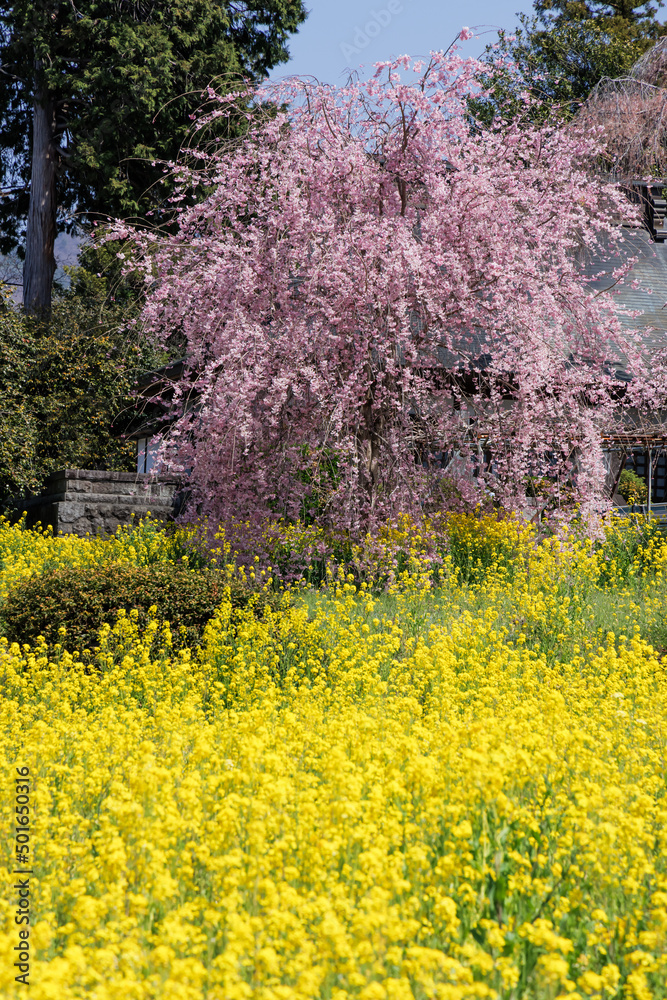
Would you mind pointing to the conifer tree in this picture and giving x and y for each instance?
(560, 52)
(94, 93)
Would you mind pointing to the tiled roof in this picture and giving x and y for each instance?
(650, 295)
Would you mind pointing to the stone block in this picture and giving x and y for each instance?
(90, 501)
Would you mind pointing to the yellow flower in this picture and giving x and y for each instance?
(446, 804)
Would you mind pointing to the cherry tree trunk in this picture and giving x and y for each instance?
(40, 265)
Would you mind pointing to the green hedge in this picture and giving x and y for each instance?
(83, 599)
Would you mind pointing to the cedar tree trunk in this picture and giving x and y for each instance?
(40, 264)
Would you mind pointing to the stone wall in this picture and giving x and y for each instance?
(85, 501)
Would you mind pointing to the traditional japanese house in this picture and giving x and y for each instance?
(641, 447)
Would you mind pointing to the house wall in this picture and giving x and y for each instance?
(147, 450)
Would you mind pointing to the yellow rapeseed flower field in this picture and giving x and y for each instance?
(453, 788)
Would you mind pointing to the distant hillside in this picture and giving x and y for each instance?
(66, 249)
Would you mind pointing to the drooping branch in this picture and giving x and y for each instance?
(386, 337)
(632, 111)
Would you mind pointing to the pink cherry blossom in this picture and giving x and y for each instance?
(374, 289)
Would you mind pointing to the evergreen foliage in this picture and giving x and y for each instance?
(122, 78)
(631, 487)
(66, 386)
(82, 599)
(562, 50)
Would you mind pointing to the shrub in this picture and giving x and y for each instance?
(631, 487)
(67, 383)
(82, 599)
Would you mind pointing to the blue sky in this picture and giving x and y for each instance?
(339, 35)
